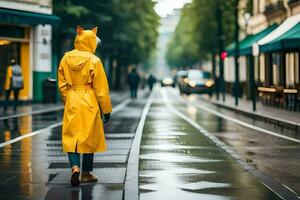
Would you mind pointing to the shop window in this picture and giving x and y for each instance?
(276, 68)
(12, 31)
(262, 67)
(291, 69)
(297, 71)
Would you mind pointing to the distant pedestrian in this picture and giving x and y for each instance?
(151, 81)
(84, 89)
(14, 82)
(133, 81)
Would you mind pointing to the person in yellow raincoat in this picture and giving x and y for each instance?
(13, 82)
(84, 89)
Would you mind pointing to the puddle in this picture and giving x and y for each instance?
(166, 147)
(180, 195)
(178, 158)
(177, 171)
(203, 185)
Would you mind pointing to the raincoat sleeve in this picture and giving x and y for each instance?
(8, 78)
(62, 83)
(101, 88)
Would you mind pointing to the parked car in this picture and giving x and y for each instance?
(197, 81)
(167, 82)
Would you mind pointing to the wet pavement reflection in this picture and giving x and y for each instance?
(177, 162)
(273, 156)
(36, 167)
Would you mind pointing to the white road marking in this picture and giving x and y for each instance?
(121, 106)
(17, 139)
(132, 173)
(234, 120)
(48, 128)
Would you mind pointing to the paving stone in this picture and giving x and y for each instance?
(105, 175)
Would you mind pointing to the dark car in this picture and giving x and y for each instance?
(197, 81)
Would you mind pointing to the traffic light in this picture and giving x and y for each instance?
(224, 55)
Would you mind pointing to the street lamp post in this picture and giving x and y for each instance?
(247, 17)
(237, 53)
(219, 15)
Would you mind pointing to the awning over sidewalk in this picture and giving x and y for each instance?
(26, 18)
(246, 44)
(282, 37)
(288, 41)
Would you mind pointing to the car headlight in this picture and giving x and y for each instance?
(167, 81)
(192, 84)
(186, 80)
(209, 83)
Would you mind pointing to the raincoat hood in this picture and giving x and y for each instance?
(86, 40)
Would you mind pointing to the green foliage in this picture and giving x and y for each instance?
(197, 34)
(182, 51)
(128, 28)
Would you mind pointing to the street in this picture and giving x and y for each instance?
(161, 146)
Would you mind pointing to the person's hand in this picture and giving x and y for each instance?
(106, 118)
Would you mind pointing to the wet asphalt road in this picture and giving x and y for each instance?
(177, 161)
(279, 158)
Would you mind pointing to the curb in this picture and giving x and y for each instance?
(131, 189)
(278, 121)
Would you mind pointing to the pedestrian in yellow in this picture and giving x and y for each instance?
(84, 89)
(13, 82)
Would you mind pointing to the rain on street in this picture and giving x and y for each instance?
(183, 149)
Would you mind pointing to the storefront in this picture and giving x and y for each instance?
(284, 52)
(245, 60)
(27, 37)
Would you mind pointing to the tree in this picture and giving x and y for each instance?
(197, 35)
(128, 29)
(182, 51)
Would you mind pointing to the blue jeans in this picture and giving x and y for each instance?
(87, 161)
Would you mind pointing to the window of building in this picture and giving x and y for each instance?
(262, 66)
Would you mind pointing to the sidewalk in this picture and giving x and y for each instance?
(262, 111)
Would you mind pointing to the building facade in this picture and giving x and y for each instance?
(271, 68)
(26, 35)
(275, 68)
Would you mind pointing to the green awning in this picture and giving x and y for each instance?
(246, 44)
(26, 18)
(288, 41)
(231, 48)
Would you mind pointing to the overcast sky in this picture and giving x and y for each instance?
(165, 7)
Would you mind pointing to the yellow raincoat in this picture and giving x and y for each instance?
(9, 74)
(84, 89)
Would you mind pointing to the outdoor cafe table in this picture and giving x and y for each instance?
(268, 93)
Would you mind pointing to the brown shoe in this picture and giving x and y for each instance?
(75, 176)
(88, 177)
